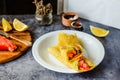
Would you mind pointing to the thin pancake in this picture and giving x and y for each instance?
(70, 52)
(55, 51)
(67, 39)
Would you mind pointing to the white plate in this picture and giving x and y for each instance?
(93, 47)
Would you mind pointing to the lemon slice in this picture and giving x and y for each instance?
(99, 32)
(6, 25)
(19, 26)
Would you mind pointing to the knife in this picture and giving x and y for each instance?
(27, 43)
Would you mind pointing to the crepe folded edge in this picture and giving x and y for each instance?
(55, 51)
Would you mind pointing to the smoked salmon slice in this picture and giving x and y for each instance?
(6, 44)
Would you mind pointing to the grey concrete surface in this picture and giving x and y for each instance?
(26, 68)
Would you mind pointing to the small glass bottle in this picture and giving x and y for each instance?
(43, 14)
(44, 19)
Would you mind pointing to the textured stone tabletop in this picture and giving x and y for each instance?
(26, 68)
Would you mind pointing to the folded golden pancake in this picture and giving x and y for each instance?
(80, 63)
(70, 52)
(67, 39)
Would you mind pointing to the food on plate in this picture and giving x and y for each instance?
(70, 45)
(74, 52)
(71, 53)
(6, 25)
(80, 64)
(99, 32)
(84, 64)
(6, 44)
(68, 40)
(19, 26)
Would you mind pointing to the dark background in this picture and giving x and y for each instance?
(22, 6)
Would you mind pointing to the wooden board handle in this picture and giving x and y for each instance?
(27, 43)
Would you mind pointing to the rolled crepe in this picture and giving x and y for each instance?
(82, 64)
(70, 52)
(67, 44)
(74, 64)
(55, 51)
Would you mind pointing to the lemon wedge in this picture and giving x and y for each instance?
(99, 32)
(6, 25)
(19, 26)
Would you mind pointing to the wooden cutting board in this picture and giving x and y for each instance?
(6, 56)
